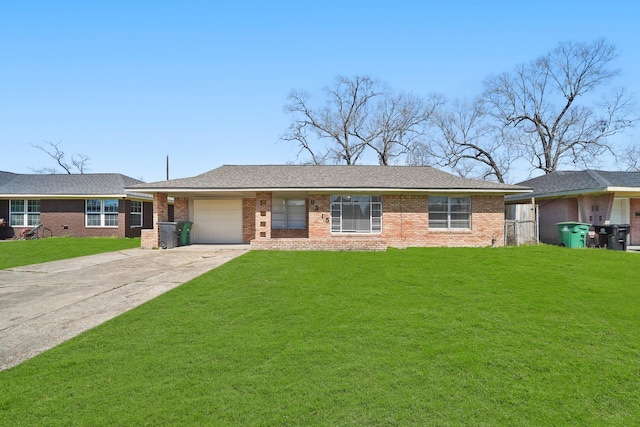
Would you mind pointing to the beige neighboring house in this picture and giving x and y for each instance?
(588, 196)
(294, 207)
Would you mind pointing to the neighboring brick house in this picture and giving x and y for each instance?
(333, 207)
(588, 196)
(79, 205)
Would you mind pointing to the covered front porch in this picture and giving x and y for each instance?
(224, 218)
(262, 220)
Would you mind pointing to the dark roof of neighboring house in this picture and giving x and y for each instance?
(561, 183)
(50, 185)
(314, 177)
(6, 177)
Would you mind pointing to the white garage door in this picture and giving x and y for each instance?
(217, 221)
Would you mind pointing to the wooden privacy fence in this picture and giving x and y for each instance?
(521, 225)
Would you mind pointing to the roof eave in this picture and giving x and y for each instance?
(623, 189)
(73, 196)
(559, 194)
(330, 189)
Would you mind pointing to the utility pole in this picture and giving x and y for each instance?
(167, 167)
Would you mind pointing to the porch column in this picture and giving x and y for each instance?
(151, 238)
(181, 209)
(263, 216)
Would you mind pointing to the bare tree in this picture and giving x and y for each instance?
(631, 158)
(400, 124)
(470, 144)
(545, 102)
(358, 115)
(342, 121)
(79, 161)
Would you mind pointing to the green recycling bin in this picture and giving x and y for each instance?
(573, 234)
(185, 234)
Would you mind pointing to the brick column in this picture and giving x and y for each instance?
(181, 209)
(319, 216)
(248, 220)
(263, 216)
(151, 238)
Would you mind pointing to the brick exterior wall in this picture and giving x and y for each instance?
(552, 212)
(66, 217)
(405, 223)
(181, 209)
(289, 234)
(334, 244)
(150, 238)
(596, 209)
(263, 216)
(248, 220)
(405, 220)
(319, 218)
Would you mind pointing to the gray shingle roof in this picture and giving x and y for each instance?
(6, 177)
(101, 184)
(575, 182)
(309, 177)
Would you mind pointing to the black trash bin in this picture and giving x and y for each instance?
(613, 236)
(169, 232)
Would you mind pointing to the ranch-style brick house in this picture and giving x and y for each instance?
(314, 207)
(587, 196)
(77, 205)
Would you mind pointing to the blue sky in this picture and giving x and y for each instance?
(129, 82)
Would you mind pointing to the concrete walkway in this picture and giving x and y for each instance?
(43, 305)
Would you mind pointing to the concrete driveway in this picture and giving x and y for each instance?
(45, 304)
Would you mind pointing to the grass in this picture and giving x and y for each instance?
(510, 336)
(25, 252)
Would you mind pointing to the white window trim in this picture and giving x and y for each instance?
(25, 213)
(141, 214)
(350, 232)
(102, 214)
(449, 228)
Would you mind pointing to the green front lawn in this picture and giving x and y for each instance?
(511, 336)
(25, 252)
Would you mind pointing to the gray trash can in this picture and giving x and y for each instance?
(169, 232)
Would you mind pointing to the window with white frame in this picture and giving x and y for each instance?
(136, 213)
(102, 213)
(449, 212)
(24, 213)
(288, 214)
(356, 214)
